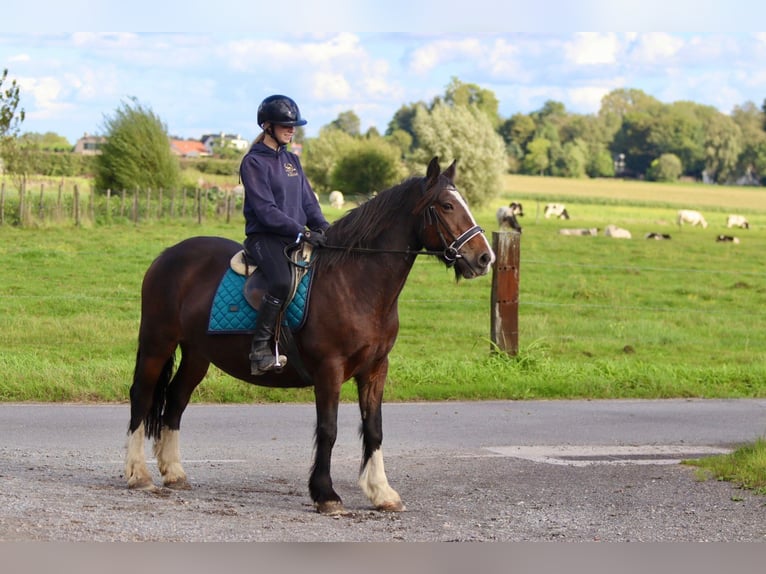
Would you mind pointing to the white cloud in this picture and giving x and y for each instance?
(502, 59)
(587, 99)
(18, 58)
(433, 54)
(330, 86)
(46, 93)
(591, 48)
(656, 47)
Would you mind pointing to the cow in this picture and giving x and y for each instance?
(506, 216)
(727, 239)
(691, 217)
(556, 210)
(617, 232)
(657, 236)
(583, 231)
(336, 199)
(737, 221)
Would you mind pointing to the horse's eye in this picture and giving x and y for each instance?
(447, 206)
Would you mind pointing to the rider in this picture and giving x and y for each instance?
(280, 208)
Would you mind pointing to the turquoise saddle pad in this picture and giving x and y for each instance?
(232, 314)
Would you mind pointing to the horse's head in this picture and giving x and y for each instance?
(450, 227)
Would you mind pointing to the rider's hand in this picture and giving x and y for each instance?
(315, 238)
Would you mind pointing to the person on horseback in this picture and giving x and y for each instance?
(280, 208)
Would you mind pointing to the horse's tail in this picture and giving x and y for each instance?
(153, 420)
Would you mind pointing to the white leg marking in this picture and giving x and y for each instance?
(374, 484)
(168, 452)
(136, 471)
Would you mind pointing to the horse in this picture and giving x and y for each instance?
(348, 332)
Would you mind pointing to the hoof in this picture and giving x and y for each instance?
(180, 484)
(141, 484)
(395, 506)
(331, 508)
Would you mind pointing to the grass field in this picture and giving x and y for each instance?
(598, 317)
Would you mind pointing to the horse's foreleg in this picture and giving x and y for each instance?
(136, 471)
(322, 493)
(372, 478)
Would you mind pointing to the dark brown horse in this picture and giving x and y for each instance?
(350, 329)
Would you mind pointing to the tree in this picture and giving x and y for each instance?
(461, 94)
(667, 167)
(723, 145)
(466, 134)
(347, 122)
(371, 166)
(137, 153)
(403, 119)
(49, 141)
(321, 154)
(519, 129)
(751, 121)
(11, 116)
(12, 153)
(536, 161)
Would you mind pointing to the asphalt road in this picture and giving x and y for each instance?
(484, 471)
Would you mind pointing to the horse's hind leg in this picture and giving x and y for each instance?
(372, 477)
(167, 448)
(149, 372)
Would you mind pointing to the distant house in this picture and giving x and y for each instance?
(89, 145)
(215, 142)
(188, 148)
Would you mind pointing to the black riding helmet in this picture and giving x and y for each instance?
(280, 110)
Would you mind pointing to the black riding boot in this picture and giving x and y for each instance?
(262, 356)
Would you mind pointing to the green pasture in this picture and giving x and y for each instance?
(598, 317)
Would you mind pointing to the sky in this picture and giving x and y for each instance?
(204, 81)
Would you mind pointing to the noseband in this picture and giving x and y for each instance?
(451, 251)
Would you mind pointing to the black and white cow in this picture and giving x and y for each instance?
(556, 210)
(657, 236)
(737, 221)
(691, 217)
(727, 239)
(506, 216)
(578, 232)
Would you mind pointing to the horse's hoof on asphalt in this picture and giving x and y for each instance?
(331, 508)
(141, 484)
(181, 484)
(396, 506)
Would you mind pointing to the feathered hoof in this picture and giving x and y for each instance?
(395, 506)
(144, 483)
(180, 484)
(331, 508)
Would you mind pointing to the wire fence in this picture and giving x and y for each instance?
(58, 204)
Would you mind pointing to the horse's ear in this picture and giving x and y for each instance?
(449, 173)
(433, 170)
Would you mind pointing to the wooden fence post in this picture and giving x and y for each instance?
(41, 203)
(60, 201)
(505, 291)
(76, 206)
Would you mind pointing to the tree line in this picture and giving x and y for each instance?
(633, 135)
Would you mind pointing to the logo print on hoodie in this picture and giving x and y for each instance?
(290, 170)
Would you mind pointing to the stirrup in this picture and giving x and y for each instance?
(275, 366)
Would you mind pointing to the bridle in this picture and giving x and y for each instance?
(451, 251)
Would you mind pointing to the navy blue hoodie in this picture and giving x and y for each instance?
(278, 197)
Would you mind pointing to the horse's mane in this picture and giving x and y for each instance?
(360, 226)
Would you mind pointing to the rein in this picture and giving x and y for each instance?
(451, 251)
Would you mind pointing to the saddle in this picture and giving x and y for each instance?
(256, 284)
